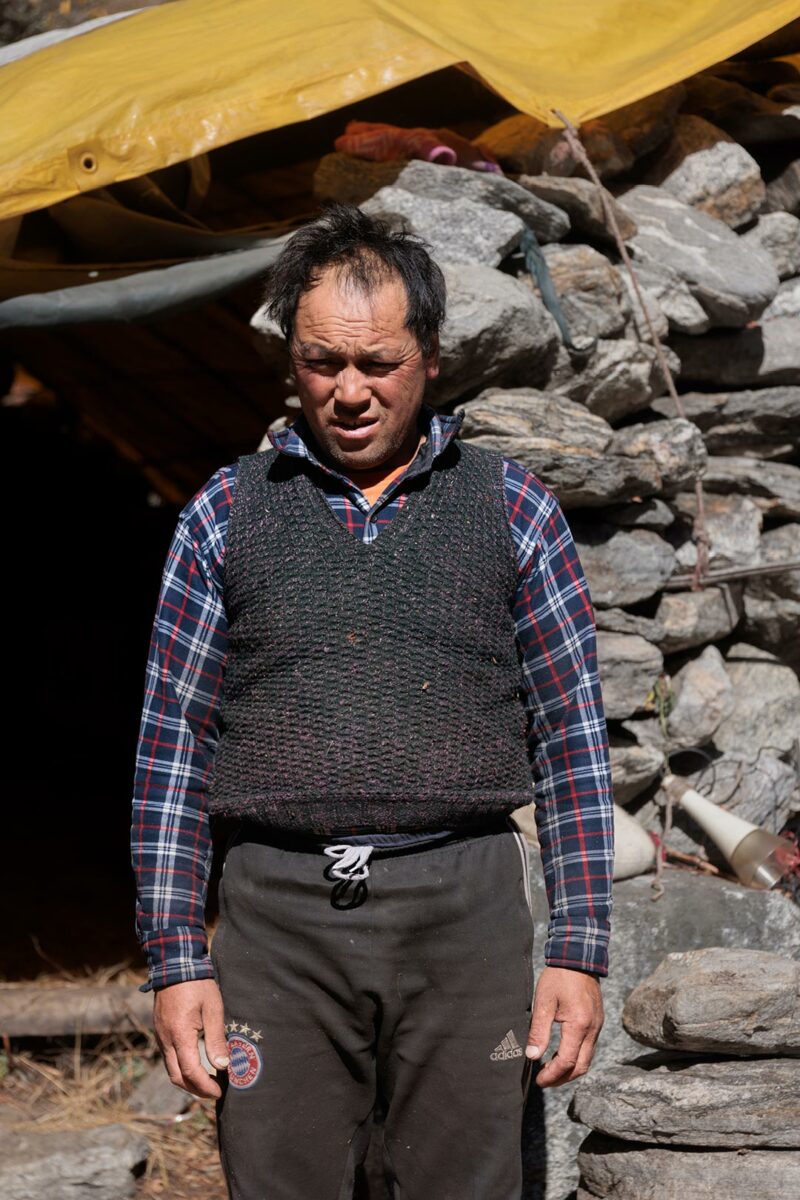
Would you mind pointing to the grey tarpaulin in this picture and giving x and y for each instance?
(144, 295)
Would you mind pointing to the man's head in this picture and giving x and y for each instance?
(361, 308)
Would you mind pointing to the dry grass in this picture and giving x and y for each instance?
(79, 1083)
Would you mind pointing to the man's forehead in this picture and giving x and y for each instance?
(375, 349)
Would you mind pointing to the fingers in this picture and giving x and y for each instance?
(544, 1011)
(182, 1012)
(575, 1050)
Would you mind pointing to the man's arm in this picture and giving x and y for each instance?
(568, 747)
(170, 838)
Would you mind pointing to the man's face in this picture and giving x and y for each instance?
(360, 373)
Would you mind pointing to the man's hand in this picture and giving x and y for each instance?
(184, 1011)
(573, 1000)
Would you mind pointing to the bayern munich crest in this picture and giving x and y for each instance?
(246, 1063)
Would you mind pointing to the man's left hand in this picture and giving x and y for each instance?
(572, 999)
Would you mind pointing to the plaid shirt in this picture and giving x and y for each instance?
(567, 737)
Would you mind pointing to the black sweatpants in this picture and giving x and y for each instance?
(417, 998)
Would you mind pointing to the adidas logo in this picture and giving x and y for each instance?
(508, 1048)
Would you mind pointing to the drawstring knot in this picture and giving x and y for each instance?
(351, 866)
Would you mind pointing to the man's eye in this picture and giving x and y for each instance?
(380, 368)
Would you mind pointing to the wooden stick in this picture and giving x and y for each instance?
(30, 1011)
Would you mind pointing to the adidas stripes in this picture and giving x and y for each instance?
(415, 1002)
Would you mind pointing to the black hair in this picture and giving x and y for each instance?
(366, 252)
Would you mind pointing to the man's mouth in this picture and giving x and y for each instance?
(355, 430)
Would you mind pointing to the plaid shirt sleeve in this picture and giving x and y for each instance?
(567, 735)
(170, 838)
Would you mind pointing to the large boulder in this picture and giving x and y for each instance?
(733, 524)
(675, 447)
(665, 291)
(719, 1001)
(783, 189)
(560, 442)
(618, 1170)
(778, 233)
(773, 487)
(526, 146)
(748, 117)
(495, 326)
(766, 703)
(622, 566)
(457, 231)
(772, 602)
(633, 767)
(642, 514)
(629, 667)
(620, 377)
(706, 168)
(703, 696)
(786, 302)
(694, 911)
(765, 422)
(590, 289)
(584, 204)
(764, 356)
(732, 281)
(679, 1103)
(687, 619)
(353, 180)
(80, 1164)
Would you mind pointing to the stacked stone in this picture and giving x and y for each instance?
(706, 181)
(717, 1111)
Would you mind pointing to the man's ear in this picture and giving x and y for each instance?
(432, 360)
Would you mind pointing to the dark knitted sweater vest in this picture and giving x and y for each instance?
(371, 687)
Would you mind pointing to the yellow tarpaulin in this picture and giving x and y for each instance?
(172, 82)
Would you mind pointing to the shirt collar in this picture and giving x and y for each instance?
(297, 440)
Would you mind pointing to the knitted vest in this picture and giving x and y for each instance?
(371, 687)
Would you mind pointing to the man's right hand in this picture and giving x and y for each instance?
(184, 1011)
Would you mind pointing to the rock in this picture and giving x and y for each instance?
(732, 282)
(629, 667)
(786, 302)
(687, 619)
(90, 1163)
(772, 602)
(706, 168)
(783, 190)
(638, 329)
(766, 355)
(560, 442)
(617, 620)
(675, 447)
(582, 201)
(156, 1095)
(619, 378)
(646, 123)
(694, 911)
(679, 1103)
(616, 1170)
(765, 422)
(778, 233)
(353, 180)
(752, 784)
(703, 697)
(633, 768)
(773, 486)
(458, 231)
(666, 291)
(766, 703)
(590, 289)
(642, 514)
(526, 146)
(733, 525)
(746, 116)
(634, 849)
(494, 326)
(718, 1000)
(622, 567)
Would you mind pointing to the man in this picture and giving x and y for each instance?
(372, 641)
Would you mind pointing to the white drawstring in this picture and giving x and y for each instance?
(353, 863)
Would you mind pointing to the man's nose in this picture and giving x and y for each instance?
(351, 386)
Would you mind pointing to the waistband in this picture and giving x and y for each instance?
(253, 831)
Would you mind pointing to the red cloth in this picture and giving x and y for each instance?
(385, 143)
